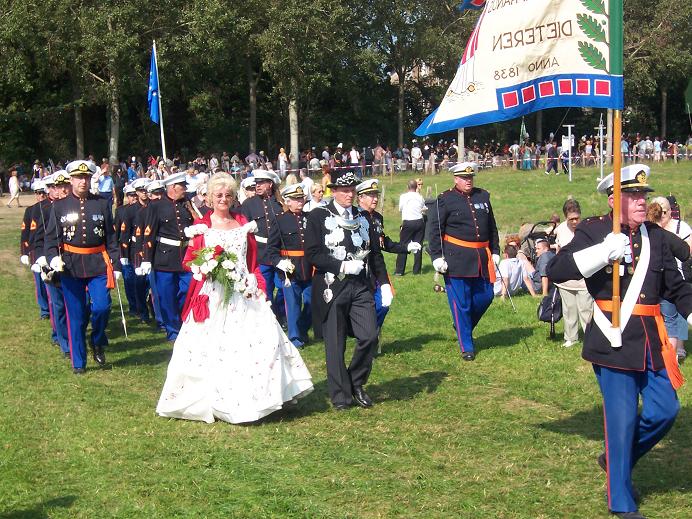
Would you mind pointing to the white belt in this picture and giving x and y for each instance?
(133, 239)
(261, 239)
(174, 243)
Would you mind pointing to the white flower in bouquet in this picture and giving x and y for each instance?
(208, 256)
(197, 276)
(235, 276)
(212, 264)
(228, 264)
(195, 269)
(204, 268)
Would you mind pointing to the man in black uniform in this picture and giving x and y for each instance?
(165, 244)
(122, 235)
(464, 246)
(27, 256)
(263, 208)
(80, 243)
(338, 240)
(635, 359)
(286, 251)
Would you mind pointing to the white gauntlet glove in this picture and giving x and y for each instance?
(56, 264)
(689, 319)
(250, 227)
(440, 265)
(117, 274)
(41, 261)
(387, 295)
(145, 268)
(124, 261)
(36, 268)
(286, 265)
(496, 259)
(414, 247)
(24, 260)
(353, 267)
(594, 258)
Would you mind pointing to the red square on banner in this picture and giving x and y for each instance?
(510, 99)
(583, 87)
(564, 87)
(528, 94)
(602, 87)
(546, 89)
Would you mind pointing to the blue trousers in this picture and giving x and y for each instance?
(630, 434)
(380, 311)
(297, 298)
(129, 282)
(78, 309)
(57, 317)
(172, 288)
(41, 295)
(469, 298)
(271, 278)
(155, 299)
(141, 292)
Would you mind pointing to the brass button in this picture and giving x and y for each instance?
(609, 269)
(636, 245)
(636, 258)
(643, 296)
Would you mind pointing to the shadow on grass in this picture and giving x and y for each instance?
(42, 510)
(661, 470)
(150, 357)
(502, 338)
(410, 344)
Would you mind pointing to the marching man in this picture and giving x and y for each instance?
(636, 359)
(80, 244)
(464, 246)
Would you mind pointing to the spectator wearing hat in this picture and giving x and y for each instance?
(80, 244)
(263, 208)
(368, 196)
(247, 189)
(164, 249)
(412, 208)
(286, 251)
(635, 360)
(464, 246)
(338, 240)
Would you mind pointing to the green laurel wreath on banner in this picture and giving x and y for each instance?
(593, 29)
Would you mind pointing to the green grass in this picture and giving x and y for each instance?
(514, 434)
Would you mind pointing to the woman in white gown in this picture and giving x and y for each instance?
(230, 361)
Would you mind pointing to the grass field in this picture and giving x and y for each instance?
(514, 434)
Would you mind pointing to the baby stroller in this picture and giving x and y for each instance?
(531, 233)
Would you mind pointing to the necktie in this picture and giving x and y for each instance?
(347, 214)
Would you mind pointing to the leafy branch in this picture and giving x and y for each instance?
(592, 28)
(595, 6)
(592, 56)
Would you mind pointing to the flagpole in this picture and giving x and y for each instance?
(158, 78)
(615, 14)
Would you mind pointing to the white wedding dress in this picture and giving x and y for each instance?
(238, 365)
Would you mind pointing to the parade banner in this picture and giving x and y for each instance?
(152, 96)
(529, 55)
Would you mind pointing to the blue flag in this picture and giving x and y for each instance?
(153, 96)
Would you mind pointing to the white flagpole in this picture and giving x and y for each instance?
(158, 77)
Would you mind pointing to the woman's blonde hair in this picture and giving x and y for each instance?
(662, 201)
(222, 180)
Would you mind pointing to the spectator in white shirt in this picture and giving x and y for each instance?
(412, 207)
(416, 157)
(510, 274)
(307, 183)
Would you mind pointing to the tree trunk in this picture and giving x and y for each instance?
(78, 120)
(293, 123)
(539, 127)
(400, 113)
(664, 113)
(114, 116)
(252, 78)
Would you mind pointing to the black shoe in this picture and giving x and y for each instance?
(99, 356)
(341, 407)
(78, 371)
(469, 356)
(603, 463)
(361, 397)
(628, 515)
(66, 354)
(44, 317)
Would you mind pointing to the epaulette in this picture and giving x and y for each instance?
(446, 192)
(593, 219)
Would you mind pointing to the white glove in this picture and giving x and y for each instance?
(138, 271)
(36, 268)
(689, 319)
(251, 287)
(414, 247)
(41, 261)
(250, 227)
(440, 265)
(117, 275)
(24, 260)
(124, 261)
(615, 246)
(145, 268)
(496, 259)
(286, 265)
(56, 264)
(594, 258)
(387, 296)
(353, 267)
